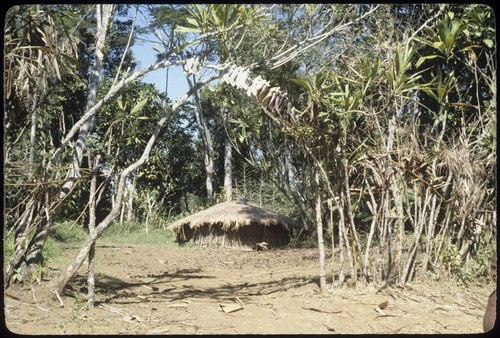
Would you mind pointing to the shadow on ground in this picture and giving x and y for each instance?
(176, 286)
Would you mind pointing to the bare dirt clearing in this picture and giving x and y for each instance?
(144, 289)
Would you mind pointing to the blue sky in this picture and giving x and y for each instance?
(177, 84)
(146, 55)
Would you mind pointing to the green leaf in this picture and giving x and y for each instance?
(424, 58)
(242, 11)
(303, 84)
(139, 106)
(320, 80)
(120, 104)
(312, 8)
(437, 44)
(193, 22)
(182, 29)
(215, 16)
(488, 43)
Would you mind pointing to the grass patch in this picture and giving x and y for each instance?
(8, 246)
(136, 233)
(50, 251)
(68, 232)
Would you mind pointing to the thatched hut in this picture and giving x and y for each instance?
(235, 225)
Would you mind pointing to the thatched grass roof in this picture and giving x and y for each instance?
(232, 216)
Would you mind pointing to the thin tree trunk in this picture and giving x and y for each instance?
(228, 169)
(94, 169)
(150, 204)
(34, 115)
(389, 251)
(33, 260)
(244, 179)
(417, 233)
(396, 195)
(429, 238)
(352, 225)
(375, 213)
(444, 231)
(261, 188)
(122, 212)
(130, 202)
(342, 247)
(347, 242)
(206, 137)
(332, 235)
(319, 230)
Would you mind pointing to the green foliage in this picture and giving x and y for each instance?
(51, 250)
(472, 268)
(453, 262)
(68, 232)
(225, 21)
(8, 245)
(444, 38)
(17, 277)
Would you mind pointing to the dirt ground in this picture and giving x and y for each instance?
(160, 290)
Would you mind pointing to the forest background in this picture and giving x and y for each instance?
(373, 125)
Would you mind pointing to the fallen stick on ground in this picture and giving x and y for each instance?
(320, 310)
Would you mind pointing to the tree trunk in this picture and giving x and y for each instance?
(228, 169)
(319, 230)
(396, 195)
(32, 265)
(33, 257)
(417, 233)
(33, 134)
(332, 235)
(207, 139)
(130, 202)
(209, 168)
(104, 15)
(352, 224)
(375, 213)
(429, 238)
(342, 248)
(20, 239)
(347, 242)
(94, 169)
